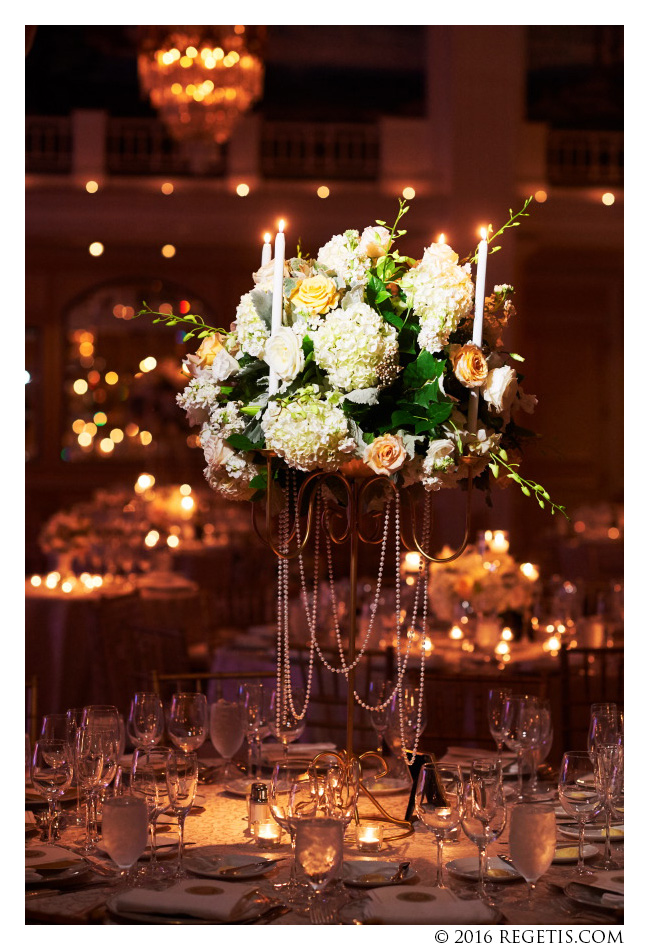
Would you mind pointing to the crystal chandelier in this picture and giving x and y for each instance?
(201, 79)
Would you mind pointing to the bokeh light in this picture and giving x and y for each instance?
(96, 248)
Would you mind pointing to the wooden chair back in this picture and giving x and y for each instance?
(587, 675)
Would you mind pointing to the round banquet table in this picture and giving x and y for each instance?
(222, 825)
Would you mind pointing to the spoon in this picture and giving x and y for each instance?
(401, 871)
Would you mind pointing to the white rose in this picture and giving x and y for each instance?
(499, 389)
(440, 451)
(284, 354)
(375, 242)
(216, 451)
(526, 401)
(224, 365)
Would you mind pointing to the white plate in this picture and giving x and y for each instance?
(239, 786)
(222, 865)
(590, 896)
(569, 854)
(594, 834)
(370, 872)
(388, 786)
(498, 871)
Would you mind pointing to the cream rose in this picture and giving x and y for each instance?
(223, 365)
(375, 242)
(385, 455)
(499, 389)
(284, 354)
(208, 349)
(216, 451)
(470, 365)
(440, 454)
(315, 294)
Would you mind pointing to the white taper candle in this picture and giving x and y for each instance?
(278, 298)
(266, 251)
(480, 280)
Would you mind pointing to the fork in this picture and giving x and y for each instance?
(322, 913)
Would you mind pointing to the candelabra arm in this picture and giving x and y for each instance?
(413, 544)
(376, 537)
(383, 814)
(267, 536)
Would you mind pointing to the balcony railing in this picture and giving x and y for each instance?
(143, 147)
(320, 150)
(48, 145)
(585, 158)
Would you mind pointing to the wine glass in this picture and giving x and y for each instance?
(226, 732)
(251, 698)
(541, 746)
(149, 782)
(54, 728)
(603, 729)
(96, 758)
(500, 711)
(147, 719)
(124, 830)
(51, 774)
(438, 803)
(484, 815)
(282, 802)
(187, 721)
(182, 779)
(74, 717)
(523, 731)
(318, 852)
(336, 783)
(380, 695)
(532, 842)
(579, 796)
(609, 781)
(285, 725)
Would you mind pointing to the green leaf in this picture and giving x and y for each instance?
(260, 481)
(427, 394)
(401, 417)
(242, 443)
(426, 367)
(517, 356)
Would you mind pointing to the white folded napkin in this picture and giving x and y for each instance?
(422, 905)
(50, 857)
(613, 900)
(608, 881)
(467, 755)
(272, 751)
(204, 899)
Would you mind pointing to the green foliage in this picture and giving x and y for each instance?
(513, 222)
(198, 326)
(500, 458)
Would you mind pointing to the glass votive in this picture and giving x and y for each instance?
(268, 834)
(369, 836)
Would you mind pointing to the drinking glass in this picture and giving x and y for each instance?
(500, 711)
(438, 803)
(603, 729)
(226, 732)
(523, 731)
(147, 719)
(579, 796)
(284, 724)
(54, 728)
(96, 758)
(251, 698)
(484, 816)
(532, 842)
(124, 829)
(541, 746)
(182, 779)
(336, 783)
(149, 782)
(406, 721)
(379, 691)
(187, 721)
(318, 852)
(283, 802)
(51, 774)
(609, 781)
(74, 717)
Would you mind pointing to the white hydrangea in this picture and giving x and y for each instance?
(226, 419)
(439, 466)
(351, 344)
(344, 255)
(232, 478)
(198, 397)
(310, 431)
(251, 330)
(441, 294)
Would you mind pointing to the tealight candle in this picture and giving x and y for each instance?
(268, 834)
(499, 543)
(369, 836)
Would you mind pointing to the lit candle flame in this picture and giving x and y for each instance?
(267, 237)
(281, 224)
(483, 234)
(442, 238)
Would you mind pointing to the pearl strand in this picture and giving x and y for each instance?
(281, 564)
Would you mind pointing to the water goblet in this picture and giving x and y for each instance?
(226, 732)
(532, 842)
(96, 758)
(182, 779)
(187, 721)
(438, 803)
(124, 829)
(147, 719)
(483, 819)
(500, 711)
(579, 796)
(523, 731)
(51, 775)
(149, 782)
(318, 853)
(609, 781)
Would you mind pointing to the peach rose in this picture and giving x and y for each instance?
(208, 349)
(315, 294)
(385, 455)
(470, 365)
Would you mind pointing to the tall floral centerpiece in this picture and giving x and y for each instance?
(362, 374)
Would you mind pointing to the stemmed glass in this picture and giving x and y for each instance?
(523, 732)
(318, 852)
(149, 782)
(500, 710)
(284, 724)
(603, 729)
(187, 721)
(404, 712)
(226, 733)
(182, 779)
(74, 717)
(251, 698)
(579, 796)
(54, 728)
(336, 784)
(438, 803)
(609, 781)
(379, 690)
(541, 746)
(532, 842)
(484, 815)
(287, 805)
(96, 758)
(124, 830)
(147, 719)
(51, 774)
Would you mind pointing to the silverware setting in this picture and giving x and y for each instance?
(401, 872)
